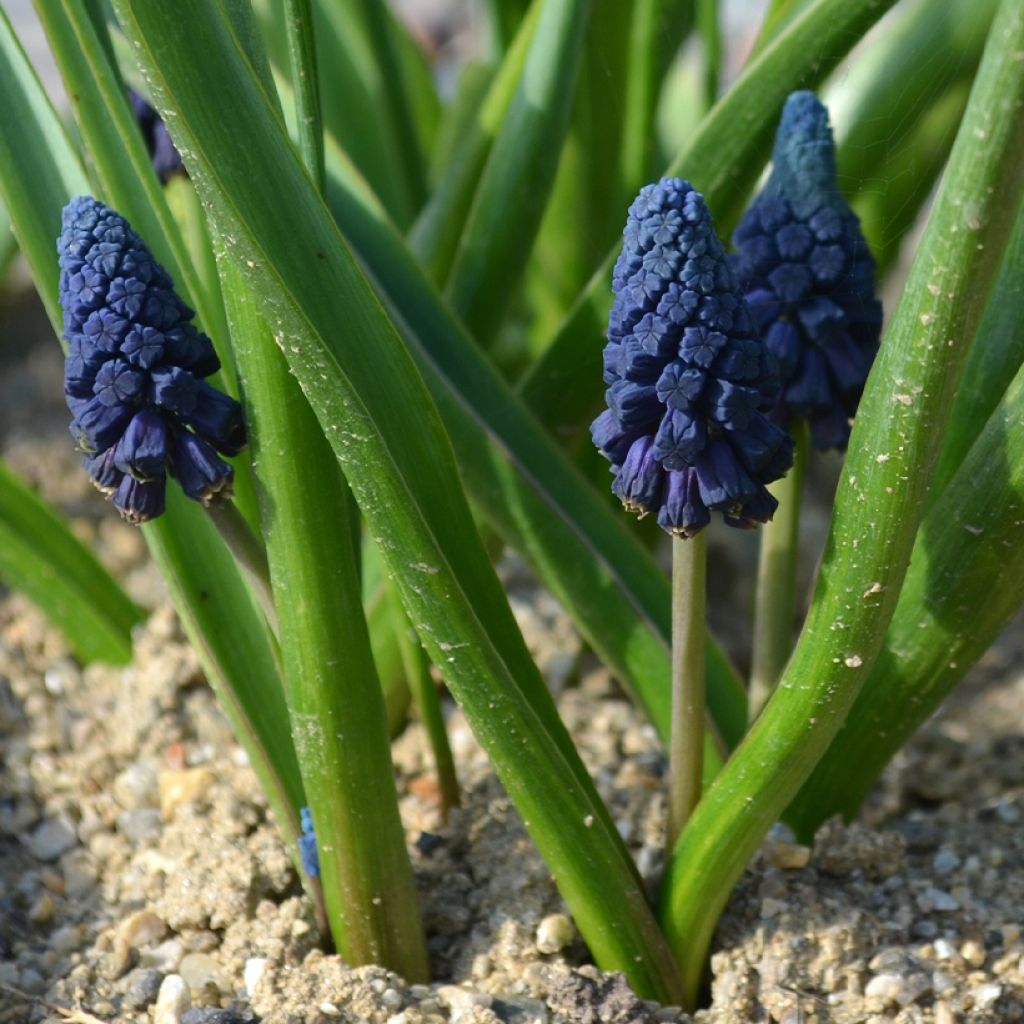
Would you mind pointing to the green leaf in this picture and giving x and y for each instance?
(37, 161)
(434, 237)
(520, 171)
(335, 704)
(583, 216)
(503, 20)
(8, 243)
(45, 561)
(902, 109)
(658, 30)
(878, 505)
(723, 159)
(384, 430)
(995, 357)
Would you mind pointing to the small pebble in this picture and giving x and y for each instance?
(66, 939)
(252, 973)
(54, 837)
(945, 862)
(166, 957)
(136, 787)
(554, 933)
(985, 996)
(172, 1001)
(936, 899)
(943, 1014)
(202, 971)
(139, 825)
(143, 988)
(142, 928)
(973, 952)
(32, 982)
(42, 910)
(182, 787)
(79, 873)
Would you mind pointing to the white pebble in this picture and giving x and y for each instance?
(554, 933)
(172, 1001)
(252, 973)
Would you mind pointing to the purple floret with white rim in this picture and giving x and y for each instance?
(689, 381)
(134, 369)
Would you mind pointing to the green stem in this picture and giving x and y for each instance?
(249, 553)
(428, 703)
(775, 599)
(309, 120)
(686, 748)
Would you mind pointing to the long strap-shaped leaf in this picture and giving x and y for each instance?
(514, 188)
(722, 159)
(878, 505)
(966, 575)
(43, 559)
(384, 429)
(40, 172)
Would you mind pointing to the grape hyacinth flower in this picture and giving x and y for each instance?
(308, 853)
(689, 382)
(808, 277)
(133, 377)
(163, 154)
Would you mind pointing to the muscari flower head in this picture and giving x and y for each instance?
(808, 276)
(163, 154)
(133, 377)
(308, 852)
(689, 382)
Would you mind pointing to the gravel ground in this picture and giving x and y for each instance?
(142, 880)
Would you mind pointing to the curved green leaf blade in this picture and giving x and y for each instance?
(902, 102)
(723, 159)
(520, 171)
(995, 357)
(434, 237)
(43, 559)
(384, 430)
(878, 505)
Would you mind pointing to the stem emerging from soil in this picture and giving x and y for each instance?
(775, 600)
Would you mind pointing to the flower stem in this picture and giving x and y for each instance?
(775, 598)
(686, 748)
(249, 553)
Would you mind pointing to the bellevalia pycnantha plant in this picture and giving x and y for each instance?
(711, 362)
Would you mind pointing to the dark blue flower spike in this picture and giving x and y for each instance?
(163, 154)
(689, 382)
(134, 369)
(808, 276)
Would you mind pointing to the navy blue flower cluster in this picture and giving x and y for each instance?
(689, 382)
(808, 277)
(134, 369)
(163, 154)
